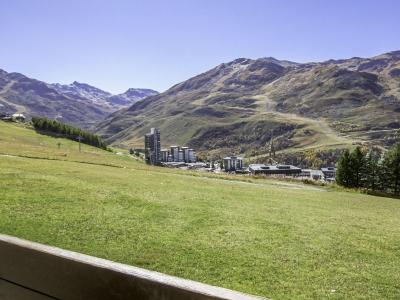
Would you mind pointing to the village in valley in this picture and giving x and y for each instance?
(185, 158)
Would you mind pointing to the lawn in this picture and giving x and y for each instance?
(282, 241)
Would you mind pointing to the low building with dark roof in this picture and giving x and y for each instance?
(329, 173)
(311, 174)
(280, 170)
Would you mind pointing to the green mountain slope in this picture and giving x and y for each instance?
(235, 107)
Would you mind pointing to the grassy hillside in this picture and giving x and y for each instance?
(234, 108)
(276, 239)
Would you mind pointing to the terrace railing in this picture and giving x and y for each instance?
(34, 271)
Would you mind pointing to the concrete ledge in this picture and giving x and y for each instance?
(45, 272)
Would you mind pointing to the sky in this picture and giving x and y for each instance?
(121, 44)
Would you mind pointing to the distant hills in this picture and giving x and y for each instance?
(103, 98)
(131, 96)
(237, 107)
(78, 104)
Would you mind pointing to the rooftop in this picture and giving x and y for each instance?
(234, 157)
(328, 169)
(262, 167)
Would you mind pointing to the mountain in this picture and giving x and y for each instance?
(84, 91)
(238, 107)
(131, 96)
(78, 104)
(103, 98)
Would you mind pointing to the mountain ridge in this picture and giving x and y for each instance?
(77, 103)
(233, 107)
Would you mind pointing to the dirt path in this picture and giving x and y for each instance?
(319, 124)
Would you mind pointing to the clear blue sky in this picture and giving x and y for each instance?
(117, 44)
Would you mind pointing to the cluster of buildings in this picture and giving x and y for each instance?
(178, 154)
(185, 157)
(154, 155)
(235, 164)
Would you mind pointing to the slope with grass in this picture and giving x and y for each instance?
(275, 239)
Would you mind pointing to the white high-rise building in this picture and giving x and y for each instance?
(175, 153)
(180, 156)
(185, 154)
(191, 158)
(164, 155)
(152, 144)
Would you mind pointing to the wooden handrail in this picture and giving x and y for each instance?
(30, 270)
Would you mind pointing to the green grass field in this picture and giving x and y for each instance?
(263, 237)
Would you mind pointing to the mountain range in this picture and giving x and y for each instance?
(240, 106)
(79, 104)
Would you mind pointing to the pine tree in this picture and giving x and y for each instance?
(382, 174)
(343, 173)
(357, 161)
(393, 167)
(370, 171)
(68, 131)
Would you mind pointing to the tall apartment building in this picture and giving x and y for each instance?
(164, 155)
(191, 156)
(185, 154)
(175, 153)
(233, 163)
(180, 156)
(152, 145)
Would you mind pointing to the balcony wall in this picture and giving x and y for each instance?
(34, 271)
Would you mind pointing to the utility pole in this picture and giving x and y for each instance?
(79, 139)
(271, 145)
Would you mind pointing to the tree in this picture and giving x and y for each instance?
(357, 161)
(67, 131)
(392, 162)
(371, 171)
(343, 172)
(382, 174)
